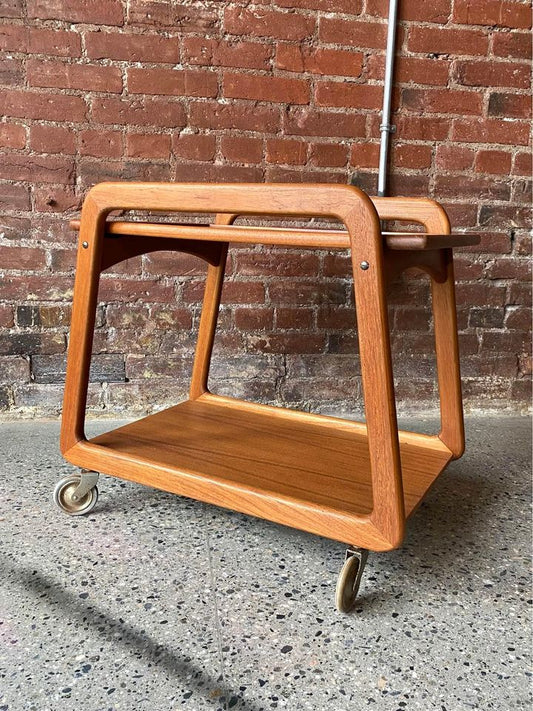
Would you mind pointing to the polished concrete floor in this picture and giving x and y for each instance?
(158, 603)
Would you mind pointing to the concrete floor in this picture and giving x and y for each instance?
(157, 603)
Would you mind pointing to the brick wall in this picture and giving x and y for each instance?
(280, 90)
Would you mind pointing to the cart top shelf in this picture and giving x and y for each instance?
(286, 236)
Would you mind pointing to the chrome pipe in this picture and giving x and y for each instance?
(385, 128)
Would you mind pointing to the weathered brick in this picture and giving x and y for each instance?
(414, 156)
(436, 11)
(267, 23)
(215, 115)
(306, 122)
(221, 53)
(6, 316)
(52, 368)
(88, 77)
(509, 105)
(104, 12)
(513, 44)
(30, 343)
(240, 149)
(139, 112)
(457, 158)
(443, 101)
(12, 8)
(100, 143)
(172, 82)
(293, 318)
(493, 162)
(148, 145)
(132, 48)
(52, 139)
(12, 135)
(306, 293)
(352, 33)
(43, 106)
(492, 73)
(287, 152)
(329, 154)
(492, 12)
(266, 88)
(490, 131)
(11, 72)
(254, 319)
(36, 168)
(182, 17)
(447, 41)
(412, 70)
(60, 43)
(347, 95)
(333, 62)
(350, 7)
(209, 173)
(21, 258)
(194, 146)
(14, 369)
(14, 197)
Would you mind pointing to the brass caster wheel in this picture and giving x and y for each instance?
(77, 494)
(350, 578)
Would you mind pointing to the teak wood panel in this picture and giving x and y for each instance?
(306, 472)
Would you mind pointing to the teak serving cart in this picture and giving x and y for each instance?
(350, 481)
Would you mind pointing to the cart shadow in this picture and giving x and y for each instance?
(158, 654)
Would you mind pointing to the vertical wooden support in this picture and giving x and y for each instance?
(388, 514)
(208, 319)
(447, 351)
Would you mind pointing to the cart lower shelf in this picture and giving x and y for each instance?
(307, 471)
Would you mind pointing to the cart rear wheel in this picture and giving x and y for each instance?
(349, 579)
(67, 501)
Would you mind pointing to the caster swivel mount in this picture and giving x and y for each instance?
(77, 494)
(350, 578)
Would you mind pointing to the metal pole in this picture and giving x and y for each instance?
(385, 128)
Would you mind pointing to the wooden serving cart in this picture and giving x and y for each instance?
(350, 481)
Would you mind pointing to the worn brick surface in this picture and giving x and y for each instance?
(254, 91)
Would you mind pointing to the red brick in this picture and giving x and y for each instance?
(14, 197)
(30, 287)
(173, 263)
(12, 8)
(523, 164)
(305, 122)
(435, 11)
(329, 154)
(447, 41)
(148, 145)
(25, 258)
(418, 128)
(492, 12)
(234, 292)
(411, 70)
(443, 101)
(332, 62)
(352, 33)
(11, 72)
(490, 73)
(287, 318)
(306, 293)
(184, 16)
(510, 105)
(42, 106)
(113, 289)
(347, 95)
(100, 144)
(215, 115)
(512, 268)
(518, 317)
(60, 43)
(215, 173)
(408, 155)
(268, 23)
(89, 77)
(6, 316)
(450, 157)
(210, 52)
(288, 264)
(239, 149)
(490, 131)
(52, 139)
(415, 185)
(480, 188)
(349, 7)
(493, 162)
(287, 152)
(172, 82)
(194, 146)
(277, 174)
(254, 319)
(55, 199)
(513, 45)
(139, 112)
(365, 155)
(266, 88)
(98, 12)
(12, 135)
(37, 169)
(96, 171)
(287, 343)
(13, 38)
(132, 48)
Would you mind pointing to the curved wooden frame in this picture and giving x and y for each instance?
(381, 529)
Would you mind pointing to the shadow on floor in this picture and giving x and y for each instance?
(150, 650)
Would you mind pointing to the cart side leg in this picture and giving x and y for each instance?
(447, 352)
(208, 319)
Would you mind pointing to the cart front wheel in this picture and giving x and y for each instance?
(69, 501)
(350, 579)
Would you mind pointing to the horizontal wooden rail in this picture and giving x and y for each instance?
(282, 236)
